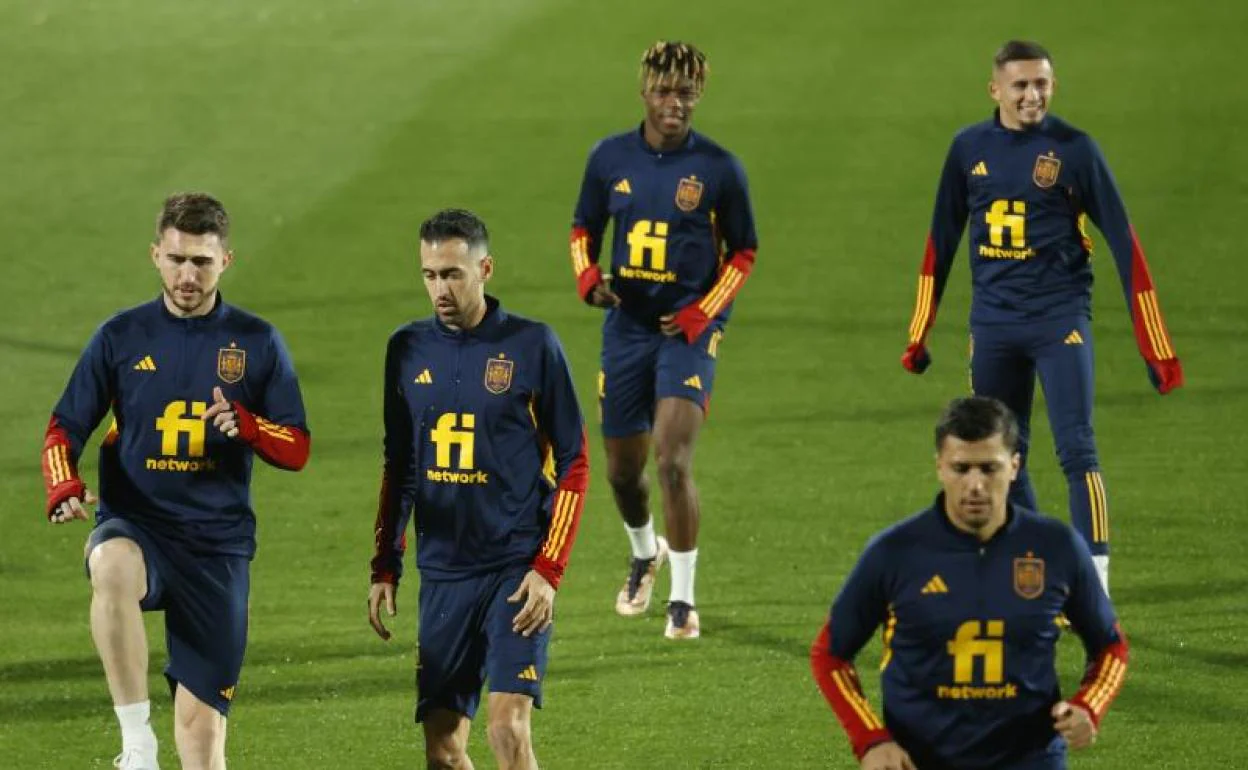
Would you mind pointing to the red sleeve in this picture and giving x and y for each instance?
(282, 446)
(838, 680)
(389, 535)
(1151, 336)
(584, 263)
(565, 519)
(60, 470)
(696, 316)
(1103, 679)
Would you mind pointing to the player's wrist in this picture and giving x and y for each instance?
(588, 280)
(550, 571)
(66, 490)
(1081, 704)
(248, 430)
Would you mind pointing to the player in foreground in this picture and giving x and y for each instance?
(1027, 182)
(968, 592)
(682, 247)
(197, 389)
(485, 446)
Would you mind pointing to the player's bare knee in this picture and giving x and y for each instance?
(508, 731)
(117, 568)
(674, 468)
(445, 756)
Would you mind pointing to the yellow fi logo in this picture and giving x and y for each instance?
(979, 640)
(455, 430)
(1007, 215)
(648, 236)
(175, 422)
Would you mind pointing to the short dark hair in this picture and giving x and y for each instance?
(666, 59)
(456, 223)
(1020, 50)
(195, 213)
(976, 418)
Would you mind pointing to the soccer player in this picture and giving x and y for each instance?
(485, 445)
(968, 592)
(197, 388)
(683, 245)
(1027, 182)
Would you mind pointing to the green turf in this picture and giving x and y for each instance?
(331, 129)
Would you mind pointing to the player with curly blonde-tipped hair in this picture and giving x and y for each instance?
(682, 246)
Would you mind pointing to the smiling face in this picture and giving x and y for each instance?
(669, 102)
(1022, 90)
(190, 267)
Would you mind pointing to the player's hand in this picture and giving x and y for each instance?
(377, 593)
(602, 296)
(1165, 375)
(74, 508)
(668, 325)
(887, 756)
(539, 606)
(1074, 724)
(222, 414)
(916, 359)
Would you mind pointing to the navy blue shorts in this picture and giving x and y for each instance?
(641, 365)
(466, 638)
(204, 599)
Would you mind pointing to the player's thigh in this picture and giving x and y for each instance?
(1064, 360)
(515, 663)
(686, 370)
(451, 646)
(1002, 368)
(677, 423)
(626, 380)
(206, 617)
(121, 553)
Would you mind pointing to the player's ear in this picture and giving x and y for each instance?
(154, 251)
(1016, 462)
(227, 259)
(487, 267)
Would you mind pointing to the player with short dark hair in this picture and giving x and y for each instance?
(682, 247)
(1027, 182)
(968, 593)
(485, 447)
(197, 388)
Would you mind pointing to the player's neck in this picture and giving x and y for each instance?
(660, 143)
(203, 309)
(474, 320)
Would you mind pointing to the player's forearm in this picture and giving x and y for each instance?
(584, 248)
(59, 464)
(838, 681)
(1103, 679)
(694, 318)
(566, 509)
(1151, 335)
(389, 534)
(282, 446)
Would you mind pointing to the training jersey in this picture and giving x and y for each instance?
(484, 447)
(160, 465)
(970, 631)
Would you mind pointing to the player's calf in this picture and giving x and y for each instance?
(199, 730)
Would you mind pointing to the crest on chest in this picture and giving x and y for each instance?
(498, 373)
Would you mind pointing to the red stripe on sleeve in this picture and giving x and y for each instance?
(584, 266)
(1151, 335)
(565, 517)
(389, 545)
(60, 468)
(838, 681)
(282, 446)
(1103, 679)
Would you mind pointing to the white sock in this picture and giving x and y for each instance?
(642, 540)
(136, 725)
(684, 564)
(1102, 570)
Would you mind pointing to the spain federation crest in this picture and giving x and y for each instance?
(1045, 172)
(498, 375)
(231, 363)
(1028, 576)
(688, 194)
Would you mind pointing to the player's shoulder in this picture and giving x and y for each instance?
(412, 332)
(613, 145)
(1064, 131)
(530, 330)
(245, 322)
(914, 530)
(1035, 525)
(974, 132)
(125, 321)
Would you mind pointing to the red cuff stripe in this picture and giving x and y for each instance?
(580, 250)
(723, 291)
(1106, 686)
(922, 308)
(853, 696)
(565, 507)
(1157, 334)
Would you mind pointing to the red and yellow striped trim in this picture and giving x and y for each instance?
(280, 432)
(1098, 506)
(58, 464)
(722, 292)
(566, 503)
(922, 307)
(580, 254)
(1158, 337)
(1106, 686)
(853, 696)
